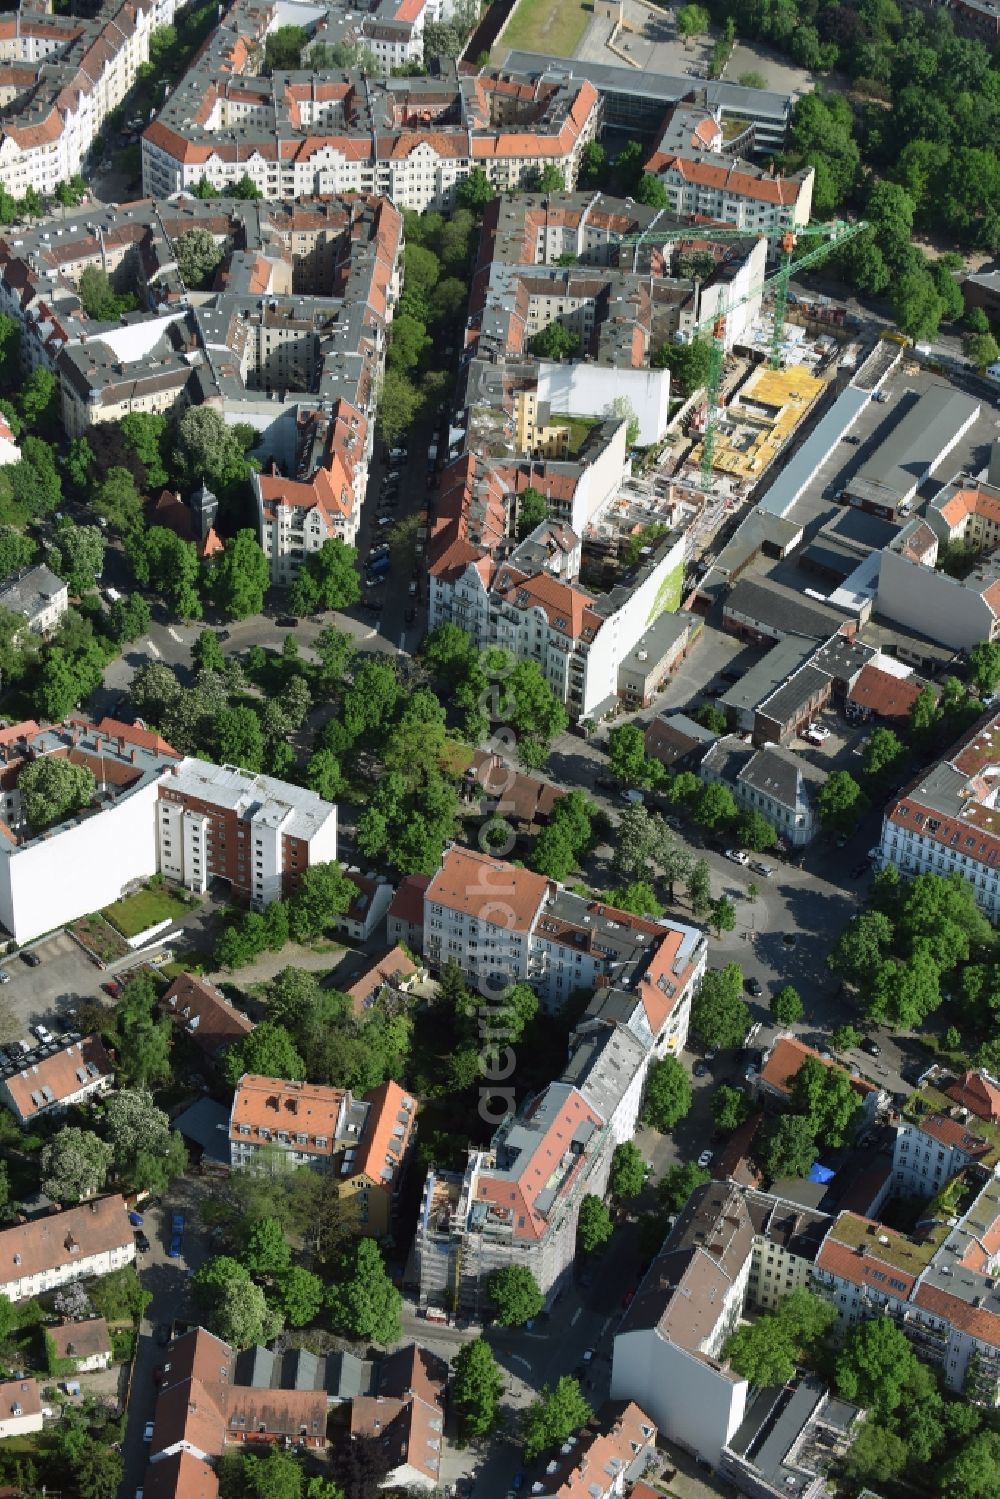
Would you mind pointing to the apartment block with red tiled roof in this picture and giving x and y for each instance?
(366, 1141)
(78, 1071)
(518, 1201)
(603, 1463)
(400, 1426)
(947, 820)
(92, 1239)
(781, 1065)
(211, 1020)
(949, 1124)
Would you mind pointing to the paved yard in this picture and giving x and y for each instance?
(650, 39)
(777, 72)
(64, 976)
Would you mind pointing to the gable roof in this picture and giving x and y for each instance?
(42, 1085)
(65, 1238)
(205, 1013)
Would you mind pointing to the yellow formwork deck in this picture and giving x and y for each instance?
(761, 417)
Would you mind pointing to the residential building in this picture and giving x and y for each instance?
(729, 1250)
(257, 833)
(38, 595)
(78, 1071)
(20, 1408)
(115, 842)
(205, 1014)
(413, 139)
(977, 18)
(780, 1067)
(80, 1242)
(404, 921)
(955, 612)
(185, 818)
(937, 1285)
(202, 1408)
(525, 801)
(782, 786)
(604, 1463)
(367, 911)
(884, 690)
(518, 1201)
(502, 923)
(64, 76)
(705, 180)
(86, 1344)
(399, 1427)
(366, 1142)
(944, 821)
(949, 1124)
(393, 973)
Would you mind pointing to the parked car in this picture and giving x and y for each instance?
(27, 955)
(857, 873)
(43, 1033)
(411, 615)
(705, 1159)
(871, 1046)
(764, 870)
(135, 1219)
(699, 1069)
(634, 798)
(4, 976)
(162, 1334)
(147, 1431)
(738, 856)
(112, 987)
(754, 987)
(287, 621)
(141, 1242)
(176, 1235)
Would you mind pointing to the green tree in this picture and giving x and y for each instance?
(693, 20)
(53, 788)
(142, 1035)
(689, 364)
(786, 1006)
(119, 502)
(719, 1016)
(716, 807)
(79, 556)
(299, 1295)
(555, 342)
(755, 832)
(324, 893)
(722, 915)
(165, 561)
(278, 1475)
(650, 189)
(198, 255)
(668, 1095)
(627, 754)
(235, 1309)
(75, 1164)
(700, 889)
(628, 1171)
(974, 1471)
(845, 1037)
(639, 898)
(38, 401)
(877, 1455)
(555, 1415)
(324, 775)
(789, 1147)
(679, 1182)
(876, 1365)
(594, 1227)
(143, 434)
(766, 1352)
(730, 1108)
(267, 1051)
(514, 1293)
(328, 579)
(827, 1099)
(475, 191)
(532, 510)
(981, 350)
(984, 666)
(205, 448)
(240, 738)
(98, 297)
(476, 1387)
(712, 718)
(16, 551)
(129, 618)
(364, 1305)
(861, 946)
(207, 652)
(884, 756)
(241, 577)
(266, 1251)
(841, 802)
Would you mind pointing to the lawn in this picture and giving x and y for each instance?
(550, 26)
(144, 909)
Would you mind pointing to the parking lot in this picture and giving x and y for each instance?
(64, 975)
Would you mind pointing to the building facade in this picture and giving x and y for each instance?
(80, 1242)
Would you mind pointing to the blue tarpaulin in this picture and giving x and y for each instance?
(821, 1173)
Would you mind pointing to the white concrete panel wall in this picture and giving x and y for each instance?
(932, 603)
(690, 1402)
(80, 868)
(589, 390)
(600, 481)
(323, 844)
